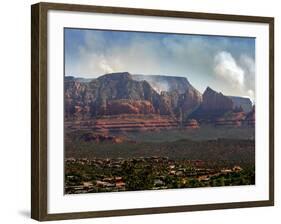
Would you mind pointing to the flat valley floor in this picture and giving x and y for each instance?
(122, 160)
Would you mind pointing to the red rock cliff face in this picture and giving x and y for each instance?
(213, 101)
(191, 124)
(119, 93)
(251, 118)
(90, 99)
(232, 119)
(191, 99)
(116, 107)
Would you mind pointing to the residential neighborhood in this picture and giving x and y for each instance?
(154, 173)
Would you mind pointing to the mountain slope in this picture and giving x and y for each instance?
(213, 106)
(243, 102)
(123, 94)
(119, 90)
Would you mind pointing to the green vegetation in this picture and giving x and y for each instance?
(147, 163)
(150, 173)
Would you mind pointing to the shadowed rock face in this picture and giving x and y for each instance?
(92, 98)
(214, 105)
(251, 118)
(191, 100)
(213, 101)
(243, 102)
(123, 94)
(178, 94)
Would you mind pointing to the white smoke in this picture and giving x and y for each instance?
(248, 64)
(238, 74)
(201, 61)
(105, 66)
(227, 69)
(159, 86)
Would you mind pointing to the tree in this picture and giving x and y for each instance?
(136, 178)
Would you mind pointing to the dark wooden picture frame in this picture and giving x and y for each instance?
(39, 110)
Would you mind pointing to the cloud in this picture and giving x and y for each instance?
(248, 64)
(143, 54)
(99, 56)
(239, 73)
(220, 62)
(105, 66)
(227, 69)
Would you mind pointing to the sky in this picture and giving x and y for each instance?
(226, 64)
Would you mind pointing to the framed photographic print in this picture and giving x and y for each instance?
(139, 111)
